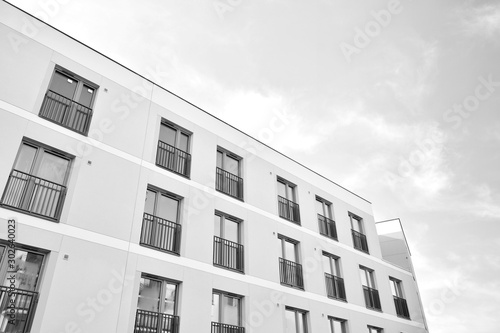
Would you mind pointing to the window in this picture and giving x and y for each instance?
(370, 292)
(334, 283)
(37, 183)
(337, 325)
(287, 206)
(358, 235)
(160, 227)
(68, 101)
(26, 267)
(228, 251)
(228, 173)
(290, 269)
(156, 306)
(373, 329)
(399, 299)
(325, 220)
(173, 149)
(295, 320)
(226, 313)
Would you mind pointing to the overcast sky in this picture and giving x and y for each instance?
(398, 101)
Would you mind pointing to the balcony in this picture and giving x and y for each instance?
(288, 210)
(327, 227)
(359, 241)
(173, 159)
(17, 308)
(291, 274)
(155, 322)
(335, 287)
(65, 112)
(33, 195)
(401, 307)
(228, 254)
(160, 234)
(225, 328)
(372, 299)
(229, 184)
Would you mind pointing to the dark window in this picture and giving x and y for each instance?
(295, 320)
(37, 183)
(399, 299)
(173, 149)
(290, 268)
(370, 292)
(334, 282)
(287, 201)
(337, 325)
(68, 101)
(358, 235)
(325, 218)
(228, 174)
(226, 313)
(228, 251)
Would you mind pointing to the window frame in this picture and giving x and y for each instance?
(327, 207)
(397, 286)
(360, 223)
(369, 276)
(295, 244)
(163, 292)
(343, 323)
(299, 312)
(223, 217)
(222, 294)
(335, 261)
(288, 185)
(159, 192)
(375, 329)
(227, 153)
(179, 130)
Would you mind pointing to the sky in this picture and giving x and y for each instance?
(398, 101)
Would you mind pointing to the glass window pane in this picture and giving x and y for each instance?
(86, 96)
(231, 230)
(231, 310)
(149, 206)
(337, 326)
(232, 165)
(53, 168)
(281, 189)
(326, 265)
(25, 159)
(217, 222)
(289, 251)
(170, 294)
(167, 208)
(167, 134)
(215, 308)
(219, 159)
(63, 85)
(290, 325)
(335, 267)
(291, 193)
(319, 208)
(362, 274)
(301, 321)
(393, 288)
(355, 224)
(149, 295)
(26, 270)
(184, 142)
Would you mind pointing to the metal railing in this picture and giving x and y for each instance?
(291, 273)
(335, 287)
(155, 322)
(173, 159)
(229, 183)
(288, 210)
(33, 195)
(401, 307)
(160, 234)
(225, 328)
(359, 241)
(66, 112)
(327, 227)
(228, 254)
(17, 308)
(372, 299)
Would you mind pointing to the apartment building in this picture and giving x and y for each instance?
(125, 208)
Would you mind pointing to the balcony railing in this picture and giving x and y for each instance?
(155, 322)
(160, 234)
(225, 328)
(33, 195)
(228, 254)
(401, 307)
(229, 184)
(291, 274)
(335, 287)
(17, 308)
(372, 299)
(359, 241)
(173, 159)
(65, 112)
(327, 227)
(288, 210)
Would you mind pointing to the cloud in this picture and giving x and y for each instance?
(481, 21)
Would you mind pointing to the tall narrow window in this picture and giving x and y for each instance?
(228, 251)
(287, 201)
(399, 299)
(37, 183)
(334, 282)
(295, 320)
(20, 271)
(68, 101)
(337, 325)
(370, 292)
(228, 174)
(290, 268)
(156, 306)
(226, 313)
(173, 149)
(160, 227)
(325, 219)
(358, 234)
